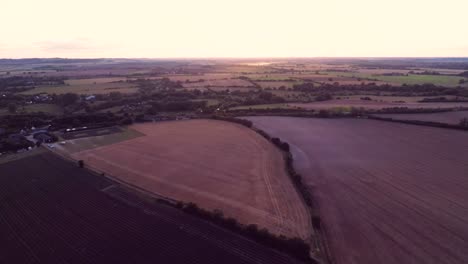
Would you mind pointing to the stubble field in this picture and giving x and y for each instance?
(218, 165)
(388, 193)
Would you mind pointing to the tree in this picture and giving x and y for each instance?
(115, 96)
(68, 99)
(81, 163)
(12, 108)
(464, 122)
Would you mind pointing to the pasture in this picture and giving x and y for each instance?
(216, 164)
(387, 193)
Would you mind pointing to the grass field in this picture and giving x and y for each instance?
(80, 144)
(87, 86)
(218, 165)
(5, 158)
(388, 193)
(46, 108)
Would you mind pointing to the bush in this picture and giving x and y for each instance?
(295, 247)
(464, 122)
(244, 122)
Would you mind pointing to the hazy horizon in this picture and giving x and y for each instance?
(241, 29)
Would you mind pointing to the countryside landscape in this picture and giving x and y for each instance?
(308, 160)
(243, 132)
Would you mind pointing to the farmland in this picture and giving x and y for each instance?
(442, 80)
(358, 103)
(87, 86)
(452, 117)
(97, 140)
(218, 165)
(133, 87)
(67, 215)
(46, 108)
(387, 192)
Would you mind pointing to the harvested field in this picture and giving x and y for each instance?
(216, 164)
(51, 211)
(452, 117)
(376, 105)
(388, 193)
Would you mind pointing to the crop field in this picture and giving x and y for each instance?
(375, 105)
(51, 211)
(216, 164)
(388, 193)
(452, 117)
(87, 86)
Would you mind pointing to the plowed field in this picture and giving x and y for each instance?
(388, 193)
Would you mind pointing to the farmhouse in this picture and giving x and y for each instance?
(90, 98)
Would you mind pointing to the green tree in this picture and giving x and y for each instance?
(68, 99)
(12, 108)
(464, 122)
(115, 96)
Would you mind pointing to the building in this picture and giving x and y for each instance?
(90, 98)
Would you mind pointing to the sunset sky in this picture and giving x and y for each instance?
(236, 28)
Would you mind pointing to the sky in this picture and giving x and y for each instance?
(234, 28)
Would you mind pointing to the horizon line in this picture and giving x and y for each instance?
(241, 58)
